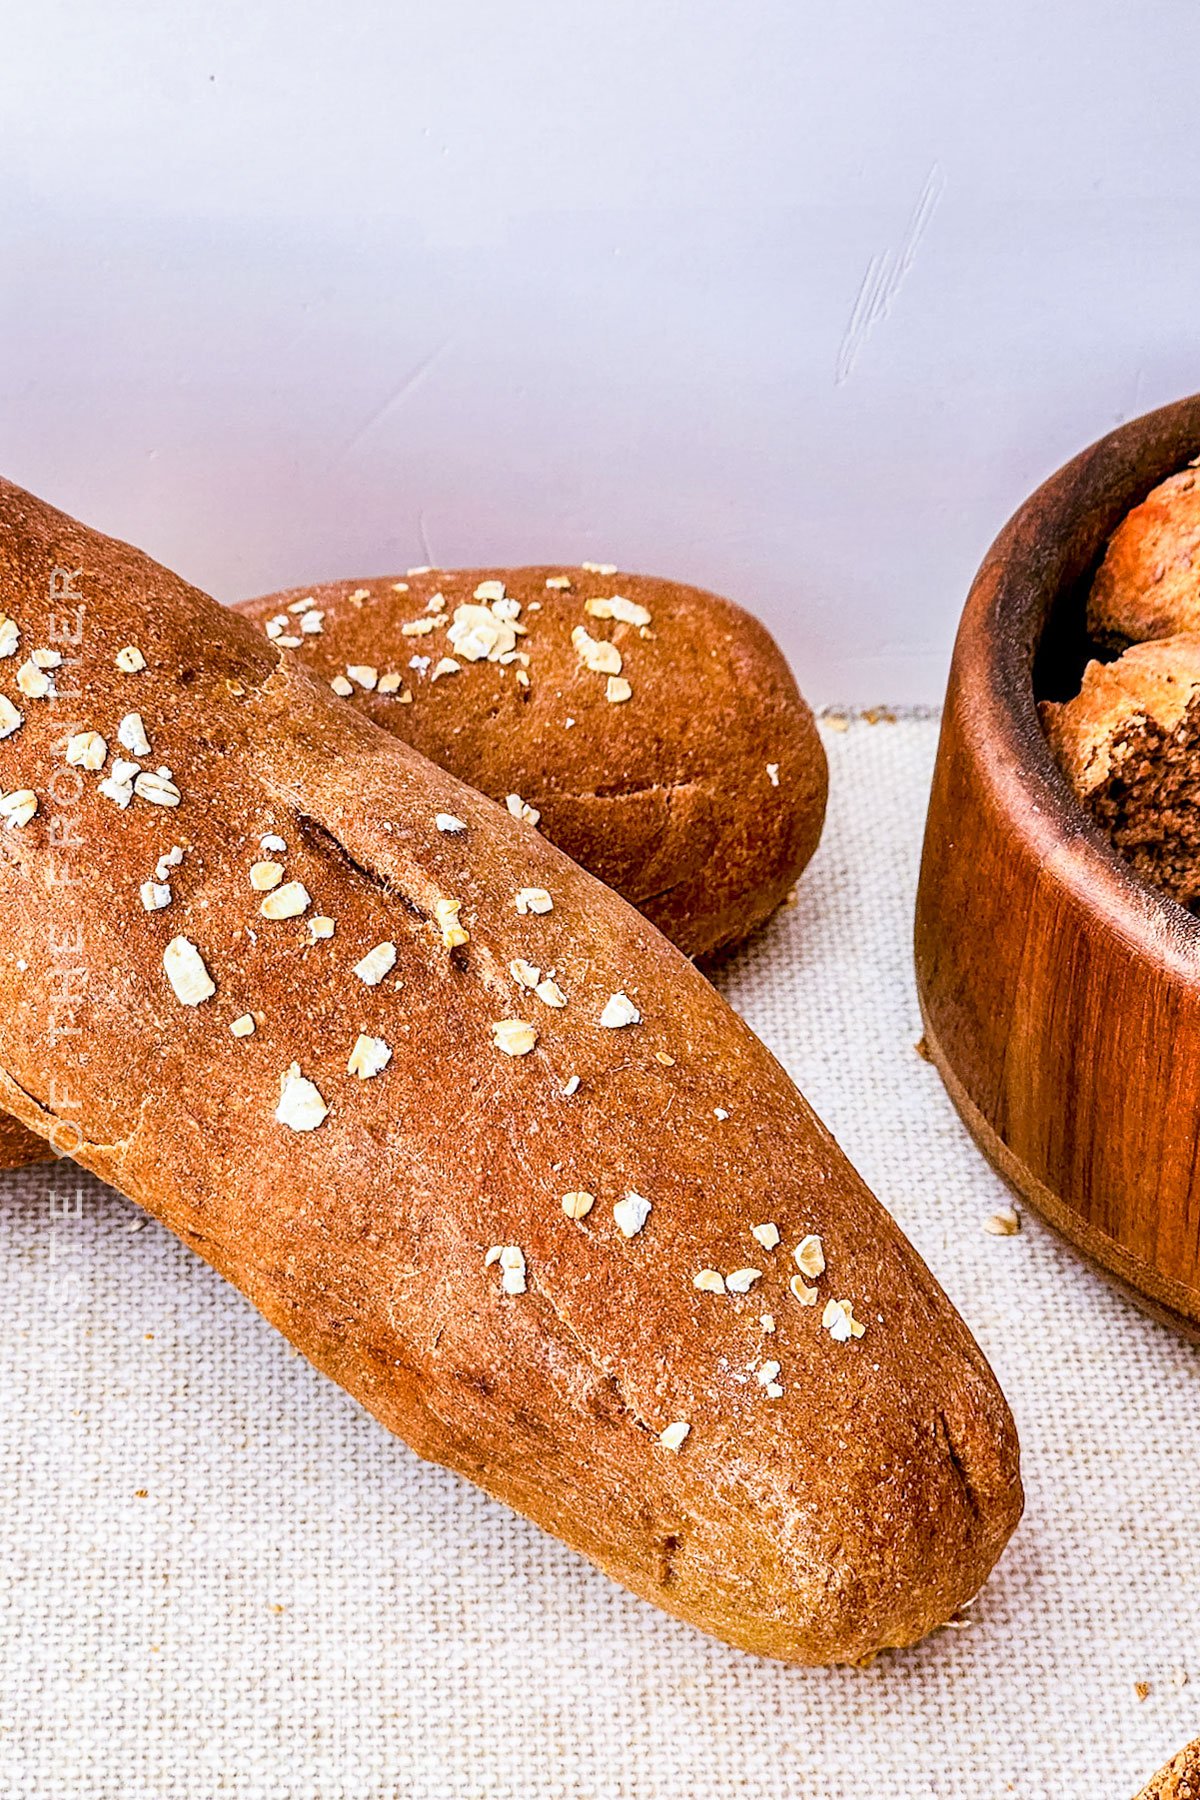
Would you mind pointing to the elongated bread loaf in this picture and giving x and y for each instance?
(465, 1127)
(655, 728)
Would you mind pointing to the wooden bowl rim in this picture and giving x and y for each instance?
(992, 688)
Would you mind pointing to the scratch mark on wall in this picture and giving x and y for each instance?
(426, 546)
(884, 277)
(397, 396)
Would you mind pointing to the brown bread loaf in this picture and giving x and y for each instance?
(1148, 585)
(655, 728)
(1129, 744)
(465, 1127)
(1180, 1780)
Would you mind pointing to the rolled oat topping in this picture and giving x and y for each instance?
(618, 1011)
(514, 1037)
(130, 660)
(520, 809)
(675, 1434)
(35, 683)
(533, 900)
(809, 1256)
(265, 875)
(301, 1106)
(131, 735)
(477, 635)
(156, 786)
(86, 750)
(446, 913)
(449, 823)
(709, 1281)
(18, 808)
(369, 1056)
(579, 1204)
(186, 971)
(287, 902)
(596, 654)
(617, 690)
(10, 718)
(742, 1280)
(243, 1026)
(10, 636)
(839, 1321)
(617, 607)
(631, 1213)
(376, 964)
(767, 1235)
(155, 895)
(512, 1269)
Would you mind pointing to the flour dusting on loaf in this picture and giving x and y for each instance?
(477, 1200)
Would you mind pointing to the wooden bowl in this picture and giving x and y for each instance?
(1061, 994)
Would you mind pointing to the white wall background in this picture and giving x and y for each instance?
(293, 290)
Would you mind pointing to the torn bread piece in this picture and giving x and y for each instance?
(1129, 744)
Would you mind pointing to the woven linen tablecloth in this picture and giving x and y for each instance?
(219, 1577)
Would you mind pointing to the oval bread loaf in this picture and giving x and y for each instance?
(473, 1135)
(655, 729)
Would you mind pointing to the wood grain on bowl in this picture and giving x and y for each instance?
(1061, 994)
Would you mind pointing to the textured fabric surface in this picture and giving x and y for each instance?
(219, 1577)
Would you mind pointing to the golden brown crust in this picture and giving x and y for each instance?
(1180, 1780)
(1148, 585)
(700, 798)
(1152, 681)
(854, 1510)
